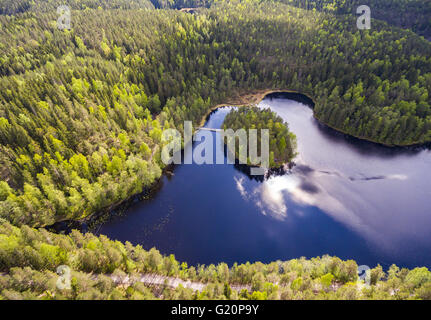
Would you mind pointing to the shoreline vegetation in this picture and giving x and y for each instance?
(240, 100)
(101, 268)
(254, 97)
(246, 99)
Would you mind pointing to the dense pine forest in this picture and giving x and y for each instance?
(282, 142)
(82, 113)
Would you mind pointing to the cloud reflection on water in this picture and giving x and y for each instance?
(380, 193)
(317, 188)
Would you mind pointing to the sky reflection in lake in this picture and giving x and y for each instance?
(344, 197)
(382, 193)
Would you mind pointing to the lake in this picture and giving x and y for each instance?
(345, 197)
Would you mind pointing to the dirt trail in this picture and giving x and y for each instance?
(156, 280)
(152, 279)
(172, 282)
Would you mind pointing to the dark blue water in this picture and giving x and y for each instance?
(348, 198)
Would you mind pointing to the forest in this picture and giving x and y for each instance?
(407, 14)
(82, 110)
(82, 113)
(106, 269)
(282, 142)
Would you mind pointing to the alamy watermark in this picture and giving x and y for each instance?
(64, 21)
(203, 153)
(364, 273)
(63, 281)
(364, 20)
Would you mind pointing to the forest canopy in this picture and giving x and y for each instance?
(407, 14)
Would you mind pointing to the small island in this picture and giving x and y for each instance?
(282, 142)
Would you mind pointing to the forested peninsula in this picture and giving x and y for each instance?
(281, 142)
